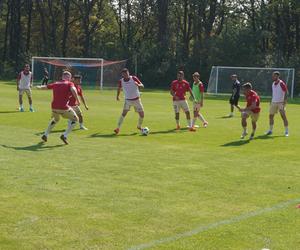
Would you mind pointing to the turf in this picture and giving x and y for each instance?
(117, 192)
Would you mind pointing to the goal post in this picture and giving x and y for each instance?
(260, 78)
(94, 71)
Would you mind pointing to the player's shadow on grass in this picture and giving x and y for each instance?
(236, 143)
(9, 112)
(112, 135)
(56, 131)
(169, 131)
(41, 146)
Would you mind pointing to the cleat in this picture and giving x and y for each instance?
(243, 135)
(117, 130)
(139, 128)
(205, 124)
(286, 134)
(83, 128)
(21, 109)
(44, 138)
(230, 115)
(31, 109)
(64, 139)
(251, 136)
(178, 127)
(192, 129)
(269, 132)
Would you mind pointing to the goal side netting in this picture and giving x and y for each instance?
(95, 72)
(260, 78)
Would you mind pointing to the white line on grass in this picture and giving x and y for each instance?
(201, 229)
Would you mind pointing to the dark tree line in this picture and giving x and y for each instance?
(164, 35)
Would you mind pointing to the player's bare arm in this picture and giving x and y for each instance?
(139, 84)
(74, 93)
(84, 102)
(42, 87)
(118, 93)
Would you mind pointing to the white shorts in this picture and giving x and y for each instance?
(196, 106)
(77, 110)
(276, 106)
(137, 104)
(67, 114)
(254, 116)
(182, 104)
(27, 91)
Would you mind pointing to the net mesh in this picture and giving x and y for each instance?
(260, 78)
(90, 69)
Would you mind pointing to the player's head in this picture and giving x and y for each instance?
(77, 79)
(26, 67)
(180, 75)
(275, 75)
(233, 77)
(247, 87)
(66, 75)
(196, 76)
(125, 73)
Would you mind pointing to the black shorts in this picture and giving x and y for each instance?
(234, 100)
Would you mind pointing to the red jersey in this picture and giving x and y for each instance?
(61, 94)
(251, 97)
(72, 100)
(180, 88)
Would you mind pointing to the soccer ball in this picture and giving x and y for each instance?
(145, 131)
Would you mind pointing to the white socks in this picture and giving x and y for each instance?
(71, 125)
(50, 127)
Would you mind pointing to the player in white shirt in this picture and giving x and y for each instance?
(278, 103)
(24, 85)
(130, 86)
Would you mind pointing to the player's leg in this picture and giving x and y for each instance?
(285, 121)
(272, 112)
(80, 117)
(138, 106)
(231, 106)
(71, 115)
(176, 111)
(126, 108)
(254, 118)
(21, 108)
(196, 113)
(184, 105)
(54, 119)
(29, 96)
(244, 124)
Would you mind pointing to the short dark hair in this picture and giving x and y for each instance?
(247, 85)
(77, 76)
(124, 70)
(196, 74)
(276, 73)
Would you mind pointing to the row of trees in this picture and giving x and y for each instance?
(163, 35)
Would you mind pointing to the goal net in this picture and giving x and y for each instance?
(260, 78)
(95, 72)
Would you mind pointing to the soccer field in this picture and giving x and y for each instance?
(169, 190)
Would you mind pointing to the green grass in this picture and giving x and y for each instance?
(116, 192)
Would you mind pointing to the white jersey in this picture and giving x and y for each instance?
(24, 80)
(278, 91)
(130, 89)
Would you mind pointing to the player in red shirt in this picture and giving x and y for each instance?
(73, 104)
(178, 90)
(251, 110)
(61, 95)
